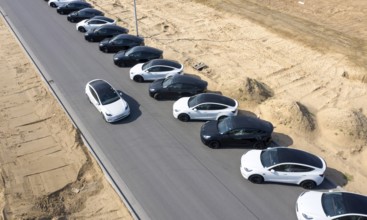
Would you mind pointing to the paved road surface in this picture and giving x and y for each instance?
(157, 161)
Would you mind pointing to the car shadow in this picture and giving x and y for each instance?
(336, 177)
(246, 113)
(134, 109)
(281, 139)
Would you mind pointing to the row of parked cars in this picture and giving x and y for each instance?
(192, 102)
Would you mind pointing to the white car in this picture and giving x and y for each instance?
(155, 69)
(107, 100)
(284, 165)
(204, 106)
(93, 23)
(57, 3)
(331, 206)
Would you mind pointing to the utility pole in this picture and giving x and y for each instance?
(136, 19)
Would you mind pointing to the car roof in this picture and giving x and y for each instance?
(290, 155)
(101, 86)
(244, 121)
(102, 18)
(354, 203)
(188, 80)
(216, 98)
(111, 26)
(165, 62)
(79, 2)
(91, 10)
(129, 37)
(146, 49)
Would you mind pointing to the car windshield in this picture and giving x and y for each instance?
(193, 101)
(269, 157)
(333, 204)
(146, 65)
(128, 52)
(224, 125)
(167, 82)
(109, 97)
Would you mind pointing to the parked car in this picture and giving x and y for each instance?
(135, 55)
(284, 165)
(72, 6)
(93, 23)
(57, 3)
(176, 86)
(237, 131)
(83, 14)
(331, 206)
(107, 100)
(120, 42)
(155, 69)
(204, 106)
(105, 31)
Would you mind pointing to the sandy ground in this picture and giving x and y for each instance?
(300, 66)
(46, 171)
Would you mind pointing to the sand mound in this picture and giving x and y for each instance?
(287, 114)
(344, 127)
(249, 90)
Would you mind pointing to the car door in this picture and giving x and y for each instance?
(95, 23)
(216, 109)
(233, 137)
(174, 90)
(93, 97)
(153, 73)
(278, 173)
(201, 112)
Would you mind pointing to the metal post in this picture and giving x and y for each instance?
(136, 19)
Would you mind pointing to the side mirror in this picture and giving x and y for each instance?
(120, 93)
(195, 109)
(272, 171)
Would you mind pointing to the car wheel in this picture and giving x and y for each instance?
(183, 117)
(82, 29)
(222, 117)
(105, 50)
(256, 179)
(259, 145)
(308, 184)
(53, 5)
(139, 78)
(214, 144)
(157, 96)
(62, 12)
(91, 39)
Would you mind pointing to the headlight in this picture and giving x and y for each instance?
(307, 217)
(152, 90)
(206, 136)
(115, 58)
(108, 114)
(127, 107)
(247, 169)
(176, 110)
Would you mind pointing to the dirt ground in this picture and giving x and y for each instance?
(300, 66)
(46, 171)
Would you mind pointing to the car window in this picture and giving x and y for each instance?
(103, 31)
(236, 132)
(282, 168)
(100, 22)
(93, 94)
(203, 107)
(217, 107)
(71, 5)
(252, 132)
(155, 69)
(176, 86)
(164, 68)
(299, 168)
(135, 55)
(352, 217)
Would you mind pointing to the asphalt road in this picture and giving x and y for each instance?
(157, 161)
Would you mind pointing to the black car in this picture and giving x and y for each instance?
(138, 54)
(237, 131)
(105, 31)
(72, 6)
(83, 14)
(176, 86)
(120, 42)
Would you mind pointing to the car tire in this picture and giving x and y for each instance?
(214, 144)
(82, 29)
(61, 12)
(222, 117)
(308, 184)
(139, 78)
(259, 145)
(183, 117)
(157, 96)
(53, 5)
(257, 179)
(105, 50)
(91, 39)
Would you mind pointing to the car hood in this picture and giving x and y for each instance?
(156, 85)
(251, 160)
(309, 203)
(210, 128)
(181, 104)
(137, 69)
(104, 42)
(116, 108)
(119, 55)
